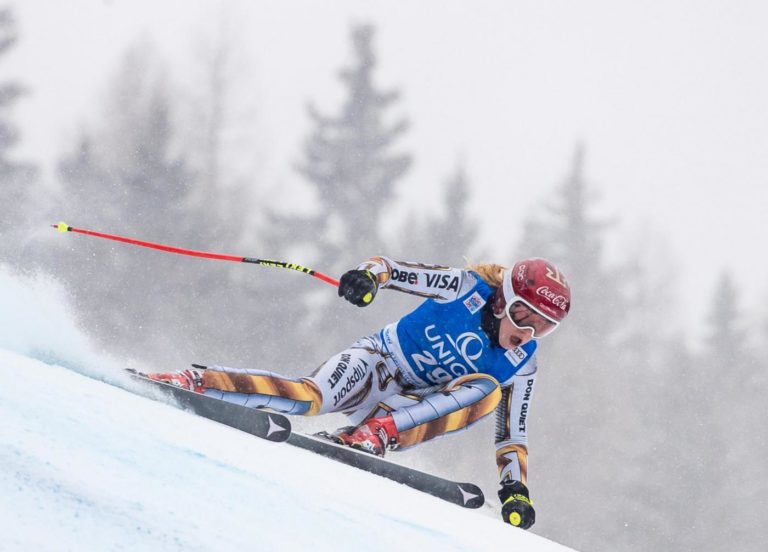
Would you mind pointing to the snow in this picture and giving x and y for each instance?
(88, 465)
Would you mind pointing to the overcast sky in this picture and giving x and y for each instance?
(669, 98)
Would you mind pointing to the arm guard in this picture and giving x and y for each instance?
(441, 283)
(512, 425)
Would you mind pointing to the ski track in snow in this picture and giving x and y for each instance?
(90, 466)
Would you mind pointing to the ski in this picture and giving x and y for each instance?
(261, 423)
(277, 427)
(467, 495)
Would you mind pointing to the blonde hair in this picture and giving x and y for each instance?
(490, 273)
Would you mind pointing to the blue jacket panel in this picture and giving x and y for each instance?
(441, 341)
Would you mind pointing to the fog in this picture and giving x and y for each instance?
(625, 141)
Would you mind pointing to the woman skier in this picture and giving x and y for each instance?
(468, 350)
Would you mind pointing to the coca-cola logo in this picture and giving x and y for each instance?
(554, 298)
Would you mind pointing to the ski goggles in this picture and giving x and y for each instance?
(525, 316)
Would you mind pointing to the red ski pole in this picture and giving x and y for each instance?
(64, 227)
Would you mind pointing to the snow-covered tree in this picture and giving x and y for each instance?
(16, 177)
(127, 177)
(449, 237)
(349, 161)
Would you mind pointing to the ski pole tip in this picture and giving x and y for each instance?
(61, 227)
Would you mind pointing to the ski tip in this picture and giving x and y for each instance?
(199, 366)
(135, 372)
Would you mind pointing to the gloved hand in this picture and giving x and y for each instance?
(359, 287)
(517, 508)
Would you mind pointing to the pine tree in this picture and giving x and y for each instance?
(448, 238)
(579, 408)
(127, 177)
(731, 414)
(221, 194)
(347, 158)
(657, 377)
(573, 238)
(348, 161)
(239, 318)
(16, 177)
(724, 320)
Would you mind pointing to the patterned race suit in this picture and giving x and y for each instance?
(435, 370)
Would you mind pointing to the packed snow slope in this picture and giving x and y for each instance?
(88, 465)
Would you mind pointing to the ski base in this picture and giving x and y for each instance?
(267, 425)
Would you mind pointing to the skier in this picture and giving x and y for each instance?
(468, 350)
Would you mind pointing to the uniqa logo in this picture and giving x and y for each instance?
(554, 298)
(449, 358)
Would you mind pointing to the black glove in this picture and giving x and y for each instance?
(516, 506)
(359, 287)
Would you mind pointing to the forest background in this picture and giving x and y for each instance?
(645, 431)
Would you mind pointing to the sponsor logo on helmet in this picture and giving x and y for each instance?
(554, 274)
(556, 299)
(521, 272)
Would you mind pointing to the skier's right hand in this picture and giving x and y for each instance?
(516, 506)
(359, 287)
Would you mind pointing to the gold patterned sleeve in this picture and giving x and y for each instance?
(512, 425)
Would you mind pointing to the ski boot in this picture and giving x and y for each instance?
(191, 380)
(374, 436)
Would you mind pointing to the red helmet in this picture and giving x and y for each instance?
(538, 284)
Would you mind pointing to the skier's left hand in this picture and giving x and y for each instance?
(516, 506)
